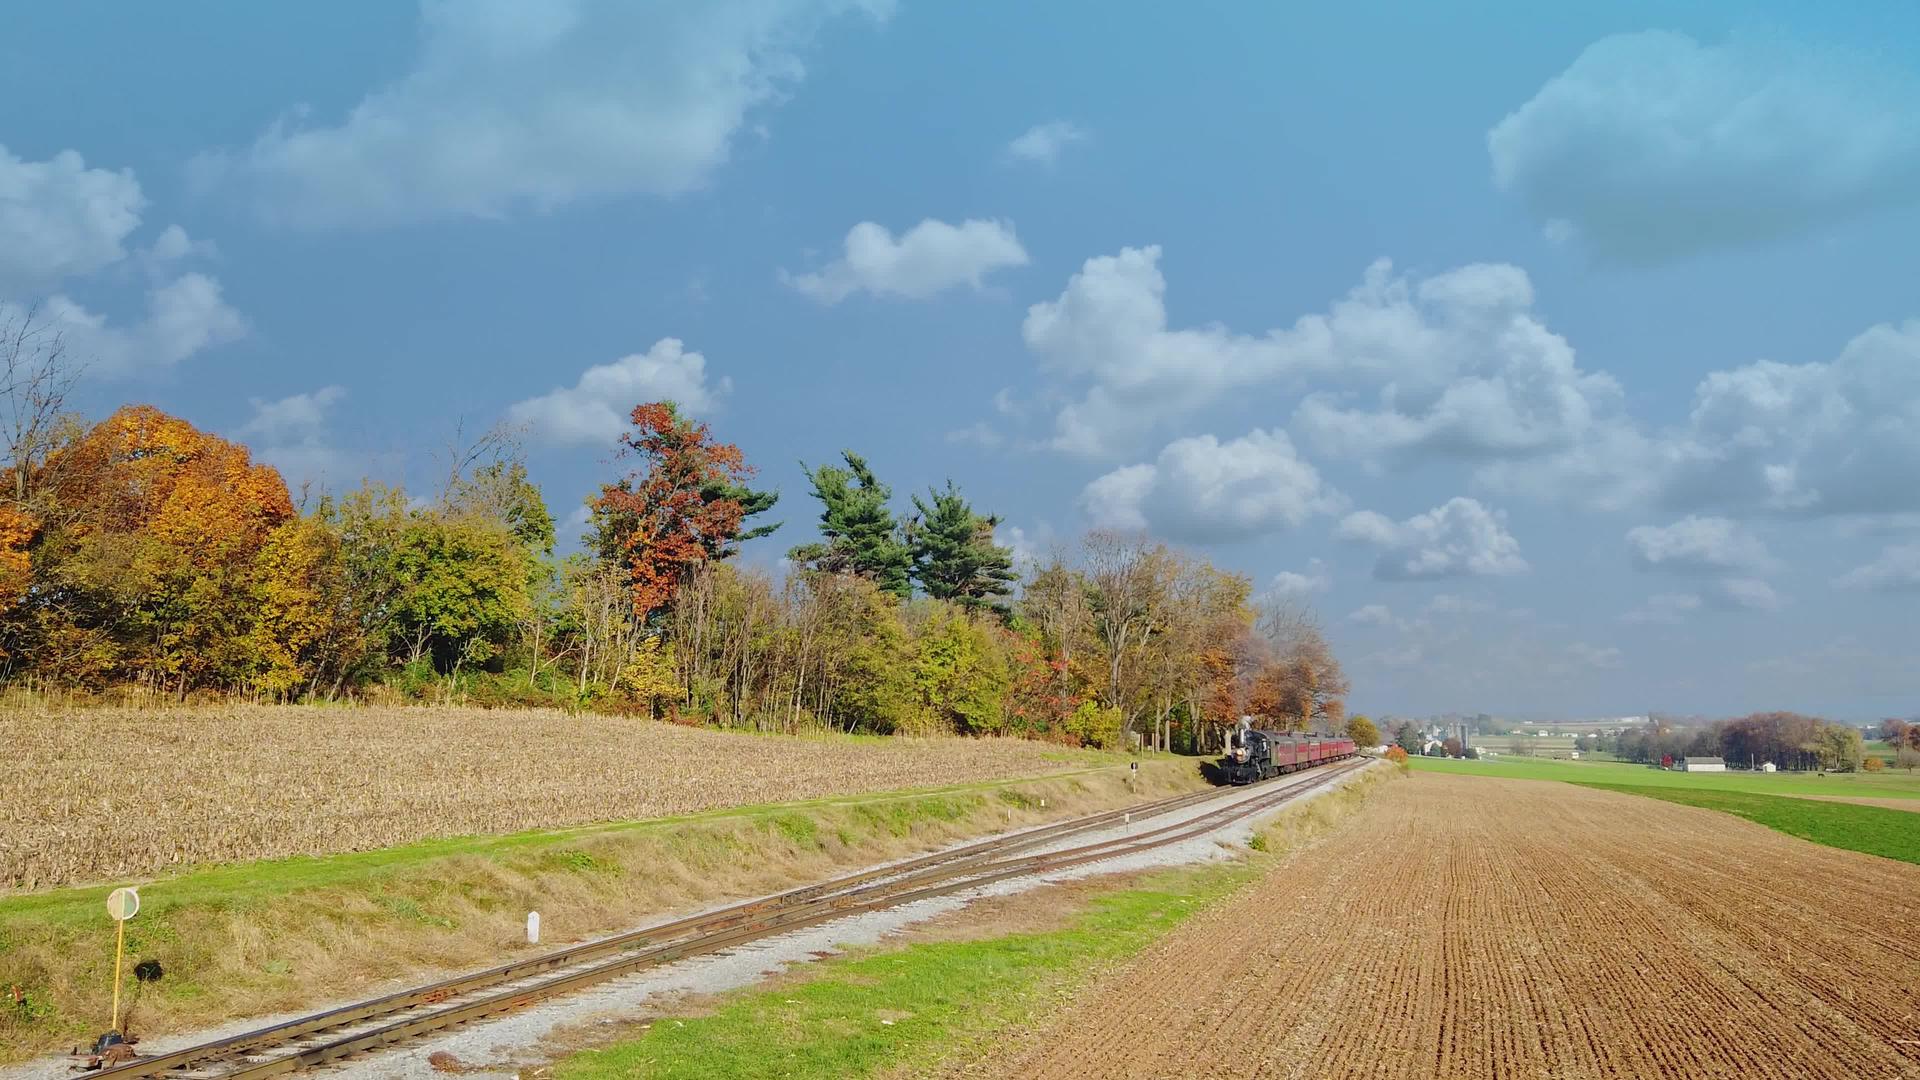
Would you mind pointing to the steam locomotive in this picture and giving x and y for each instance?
(1254, 754)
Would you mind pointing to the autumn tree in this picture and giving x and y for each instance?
(859, 533)
(145, 571)
(684, 505)
(1362, 731)
(1057, 607)
(1298, 683)
(954, 554)
(307, 636)
(1129, 580)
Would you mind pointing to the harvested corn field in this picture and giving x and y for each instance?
(93, 794)
(1472, 927)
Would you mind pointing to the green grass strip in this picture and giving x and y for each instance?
(906, 1007)
(1875, 830)
(1884, 785)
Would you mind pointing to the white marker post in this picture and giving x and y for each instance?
(122, 904)
(533, 928)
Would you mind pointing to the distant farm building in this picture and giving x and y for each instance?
(1769, 767)
(1702, 764)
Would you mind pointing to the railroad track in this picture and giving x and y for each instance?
(350, 1029)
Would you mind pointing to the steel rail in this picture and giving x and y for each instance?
(887, 885)
(700, 922)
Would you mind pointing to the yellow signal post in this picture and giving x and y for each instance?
(122, 904)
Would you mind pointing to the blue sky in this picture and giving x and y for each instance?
(1568, 364)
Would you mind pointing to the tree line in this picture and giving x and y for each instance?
(142, 552)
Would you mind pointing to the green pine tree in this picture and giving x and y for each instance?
(861, 536)
(954, 555)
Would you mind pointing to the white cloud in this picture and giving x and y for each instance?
(1817, 439)
(183, 317)
(291, 435)
(980, 434)
(1743, 594)
(298, 414)
(1042, 143)
(1897, 569)
(511, 106)
(1373, 615)
(1028, 549)
(59, 218)
(1460, 538)
(1653, 146)
(1368, 527)
(1203, 490)
(595, 408)
(1454, 365)
(1698, 545)
(929, 258)
(1295, 584)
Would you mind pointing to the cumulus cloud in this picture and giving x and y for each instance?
(290, 433)
(1460, 538)
(1698, 545)
(1372, 615)
(511, 106)
(298, 414)
(1653, 146)
(929, 258)
(183, 316)
(1725, 594)
(1027, 548)
(595, 409)
(1042, 143)
(59, 218)
(1742, 594)
(1292, 583)
(1455, 364)
(1815, 439)
(1201, 489)
(1896, 570)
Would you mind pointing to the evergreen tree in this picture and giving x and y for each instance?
(861, 536)
(954, 556)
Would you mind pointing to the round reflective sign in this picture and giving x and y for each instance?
(123, 904)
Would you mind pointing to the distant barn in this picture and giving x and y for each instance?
(1702, 764)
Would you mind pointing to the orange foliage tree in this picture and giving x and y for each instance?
(147, 551)
(682, 506)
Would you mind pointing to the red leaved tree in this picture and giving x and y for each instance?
(682, 506)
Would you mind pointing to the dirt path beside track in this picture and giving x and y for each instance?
(1476, 927)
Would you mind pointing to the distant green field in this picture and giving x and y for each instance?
(1893, 784)
(1876, 830)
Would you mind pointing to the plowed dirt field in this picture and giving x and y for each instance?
(1474, 927)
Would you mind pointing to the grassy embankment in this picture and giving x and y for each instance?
(900, 1011)
(286, 934)
(1792, 803)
